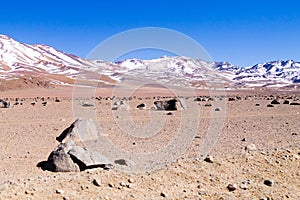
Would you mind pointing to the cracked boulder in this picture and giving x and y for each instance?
(71, 155)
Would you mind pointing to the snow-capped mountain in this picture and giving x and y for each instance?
(19, 59)
(197, 73)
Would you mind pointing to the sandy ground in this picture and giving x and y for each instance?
(28, 136)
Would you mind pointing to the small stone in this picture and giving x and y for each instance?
(58, 191)
(269, 182)
(218, 109)
(231, 187)
(163, 194)
(97, 182)
(111, 185)
(244, 186)
(244, 140)
(250, 147)
(123, 184)
(130, 180)
(209, 159)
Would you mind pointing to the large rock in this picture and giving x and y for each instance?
(172, 104)
(4, 104)
(88, 158)
(70, 155)
(79, 131)
(60, 161)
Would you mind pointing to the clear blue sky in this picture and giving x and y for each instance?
(241, 32)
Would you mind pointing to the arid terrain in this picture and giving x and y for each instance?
(256, 154)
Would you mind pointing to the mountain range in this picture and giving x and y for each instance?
(19, 60)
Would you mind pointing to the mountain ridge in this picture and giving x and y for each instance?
(20, 59)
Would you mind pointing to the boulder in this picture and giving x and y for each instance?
(275, 101)
(141, 106)
(80, 130)
(70, 155)
(86, 158)
(172, 104)
(60, 161)
(4, 104)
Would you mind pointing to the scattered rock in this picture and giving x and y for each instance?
(244, 186)
(97, 182)
(275, 101)
(131, 180)
(286, 102)
(269, 182)
(163, 194)
(218, 109)
(58, 191)
(231, 187)
(56, 100)
(295, 104)
(209, 159)
(88, 104)
(121, 162)
(141, 106)
(4, 104)
(111, 185)
(250, 147)
(166, 105)
(208, 105)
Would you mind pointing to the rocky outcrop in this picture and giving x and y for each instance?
(71, 155)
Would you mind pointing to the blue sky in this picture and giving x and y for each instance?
(241, 32)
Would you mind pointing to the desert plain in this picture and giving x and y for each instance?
(256, 154)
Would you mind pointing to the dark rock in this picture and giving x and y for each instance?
(269, 182)
(257, 104)
(141, 106)
(208, 105)
(295, 104)
(231, 187)
(60, 161)
(166, 105)
(4, 104)
(169, 113)
(275, 101)
(88, 105)
(286, 102)
(218, 109)
(270, 105)
(121, 162)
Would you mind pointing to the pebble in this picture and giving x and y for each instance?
(58, 191)
(123, 184)
(250, 147)
(218, 109)
(269, 182)
(111, 185)
(163, 194)
(130, 180)
(231, 187)
(244, 186)
(97, 182)
(209, 159)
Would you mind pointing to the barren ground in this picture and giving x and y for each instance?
(28, 136)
